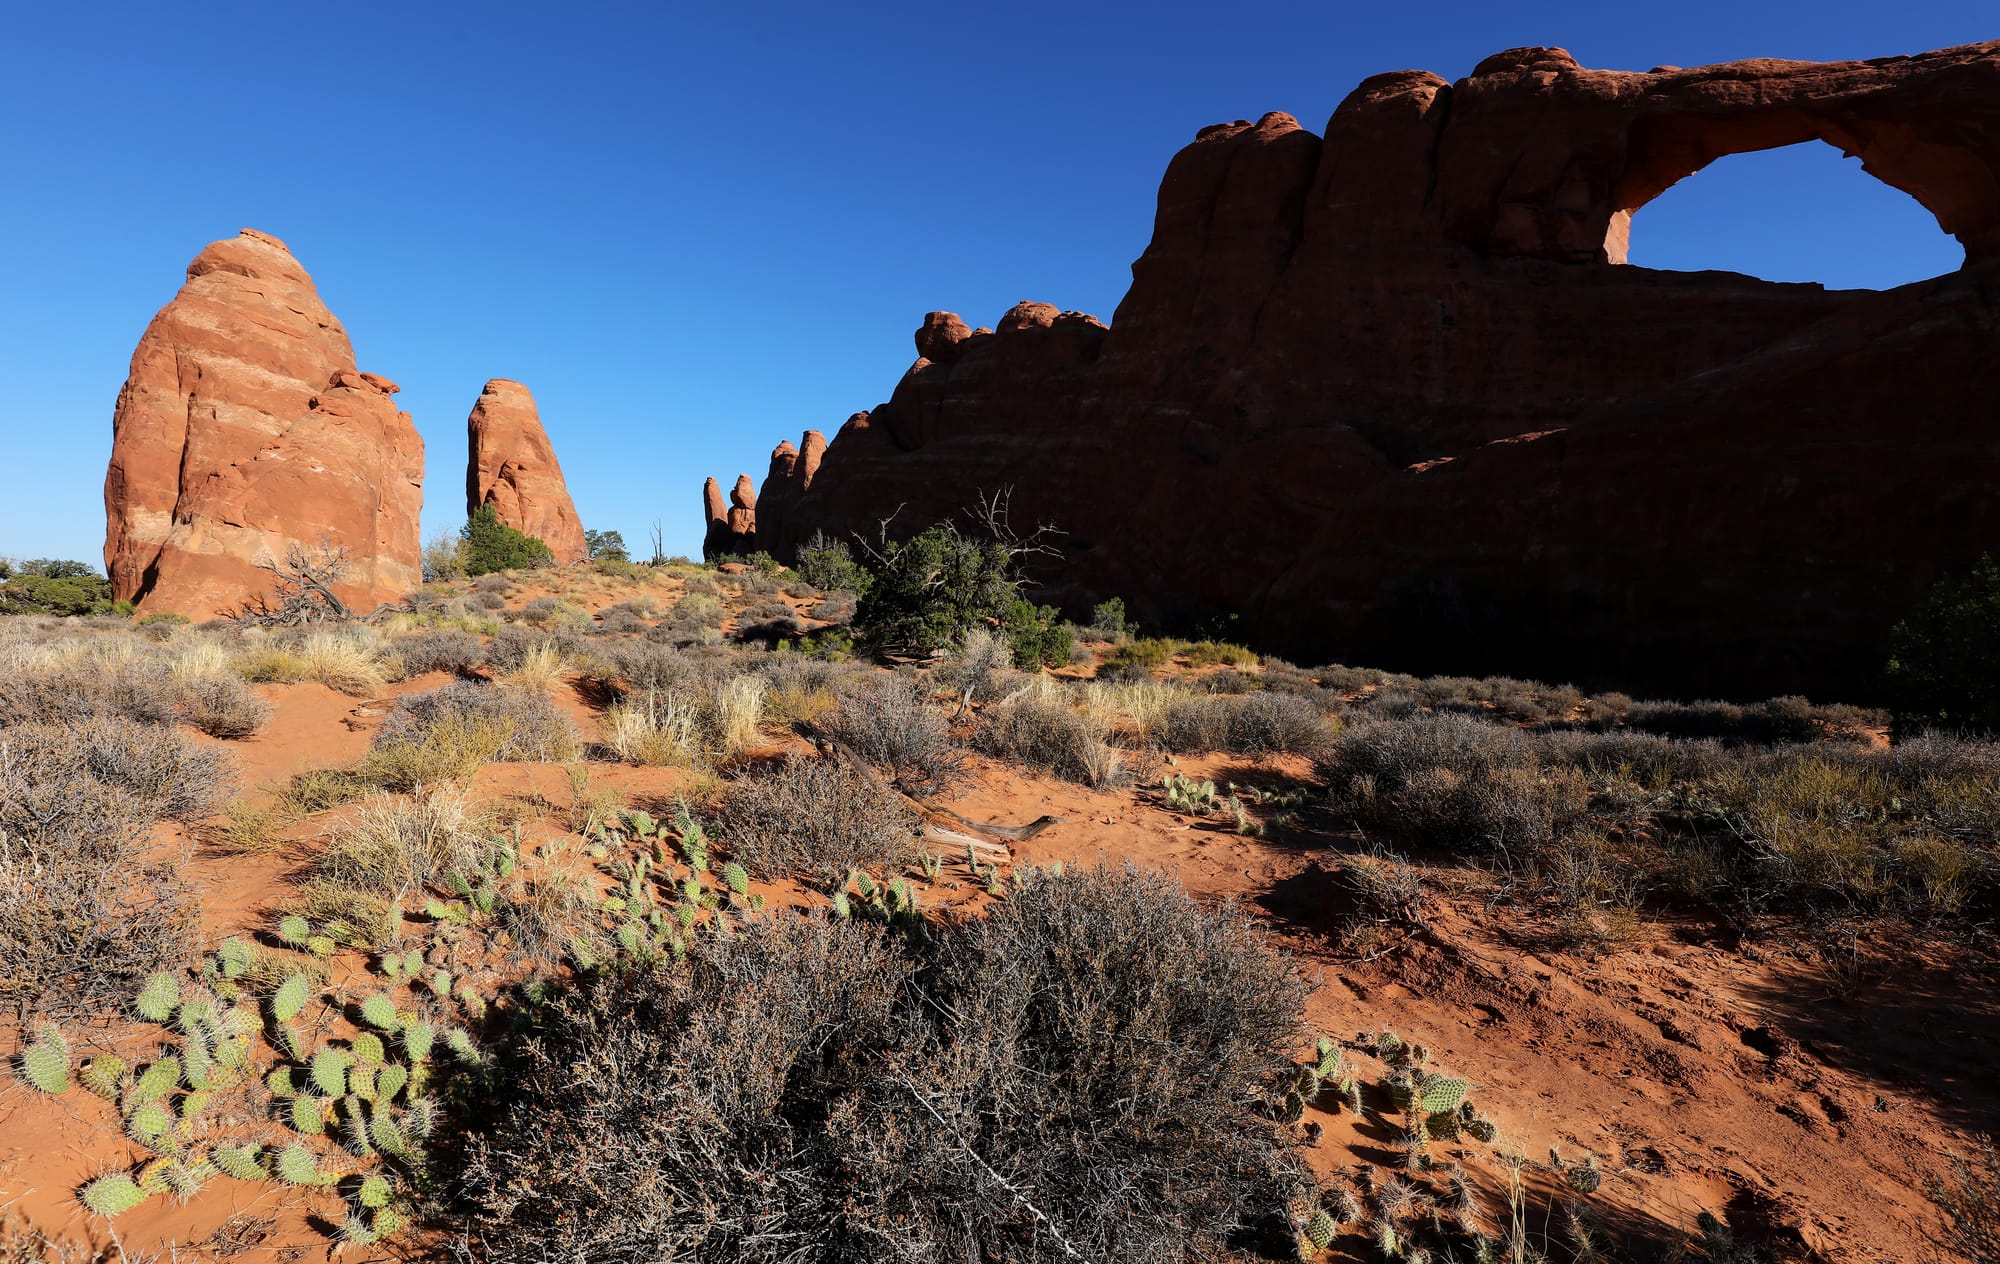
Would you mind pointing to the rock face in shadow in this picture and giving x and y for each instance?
(511, 465)
(1391, 394)
(245, 428)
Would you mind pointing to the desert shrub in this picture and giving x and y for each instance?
(84, 915)
(622, 621)
(768, 620)
(605, 546)
(1243, 724)
(349, 916)
(1139, 658)
(1941, 671)
(814, 818)
(450, 650)
(393, 843)
(829, 565)
(79, 681)
(1037, 635)
(511, 647)
(932, 589)
(539, 611)
(977, 670)
(222, 706)
(444, 558)
(1777, 720)
(491, 545)
(1452, 781)
(1108, 622)
(1107, 1040)
(718, 1098)
(63, 589)
(447, 733)
(1075, 1075)
(888, 721)
(493, 583)
(1209, 653)
(1042, 727)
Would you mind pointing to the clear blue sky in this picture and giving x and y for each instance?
(695, 229)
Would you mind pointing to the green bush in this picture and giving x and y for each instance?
(1039, 636)
(829, 566)
(491, 545)
(1944, 660)
(59, 588)
(932, 589)
(605, 546)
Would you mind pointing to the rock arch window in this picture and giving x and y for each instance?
(1798, 212)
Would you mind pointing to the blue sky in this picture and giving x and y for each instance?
(694, 230)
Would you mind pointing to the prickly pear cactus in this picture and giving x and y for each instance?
(159, 998)
(45, 1062)
(111, 1195)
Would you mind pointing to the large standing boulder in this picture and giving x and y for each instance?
(511, 465)
(244, 431)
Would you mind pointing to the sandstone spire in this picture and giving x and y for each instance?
(245, 428)
(511, 465)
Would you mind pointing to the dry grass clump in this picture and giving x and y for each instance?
(541, 667)
(802, 688)
(511, 647)
(659, 727)
(1074, 1076)
(814, 818)
(1042, 725)
(395, 844)
(444, 735)
(348, 661)
(889, 722)
(349, 916)
(83, 916)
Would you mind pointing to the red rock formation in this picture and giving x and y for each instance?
(245, 428)
(511, 465)
(732, 525)
(1384, 395)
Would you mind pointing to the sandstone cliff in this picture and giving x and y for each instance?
(245, 428)
(1390, 394)
(511, 465)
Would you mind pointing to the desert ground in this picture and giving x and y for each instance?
(1682, 980)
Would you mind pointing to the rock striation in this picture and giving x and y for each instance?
(245, 428)
(1391, 393)
(511, 465)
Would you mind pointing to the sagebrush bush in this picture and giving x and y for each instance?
(889, 722)
(814, 818)
(75, 680)
(1242, 724)
(222, 706)
(1078, 1074)
(448, 650)
(978, 669)
(447, 733)
(84, 913)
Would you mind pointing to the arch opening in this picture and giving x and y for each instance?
(1799, 210)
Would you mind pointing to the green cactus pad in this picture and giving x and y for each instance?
(736, 878)
(375, 1192)
(111, 1195)
(103, 1074)
(290, 998)
(308, 1115)
(158, 1080)
(294, 930)
(149, 1122)
(242, 1162)
(417, 1038)
(368, 1050)
(329, 1071)
(45, 1063)
(159, 998)
(1319, 1230)
(389, 1081)
(297, 1165)
(1437, 1094)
